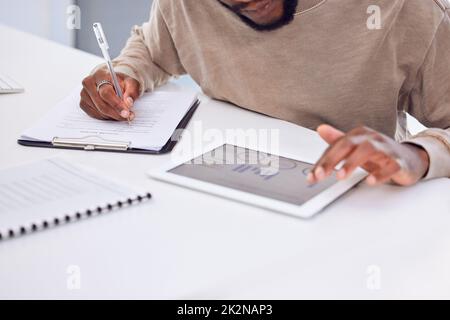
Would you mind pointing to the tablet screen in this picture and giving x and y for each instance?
(254, 172)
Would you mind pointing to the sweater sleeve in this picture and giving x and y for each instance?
(150, 55)
(429, 102)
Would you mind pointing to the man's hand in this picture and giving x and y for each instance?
(385, 159)
(105, 104)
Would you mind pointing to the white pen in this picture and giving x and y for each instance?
(103, 43)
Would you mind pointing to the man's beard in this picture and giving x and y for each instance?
(289, 9)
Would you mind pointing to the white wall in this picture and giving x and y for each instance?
(45, 18)
(48, 19)
(117, 21)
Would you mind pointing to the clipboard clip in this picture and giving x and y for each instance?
(90, 144)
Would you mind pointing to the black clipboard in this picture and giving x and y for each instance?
(170, 145)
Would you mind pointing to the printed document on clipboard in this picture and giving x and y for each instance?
(159, 115)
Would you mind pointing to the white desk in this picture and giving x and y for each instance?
(184, 244)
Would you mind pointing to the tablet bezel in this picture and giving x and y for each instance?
(305, 211)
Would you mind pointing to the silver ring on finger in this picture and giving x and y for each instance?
(102, 83)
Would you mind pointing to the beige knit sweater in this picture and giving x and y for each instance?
(327, 66)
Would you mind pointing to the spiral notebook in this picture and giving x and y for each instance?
(54, 192)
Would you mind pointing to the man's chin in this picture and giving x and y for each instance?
(269, 14)
(287, 16)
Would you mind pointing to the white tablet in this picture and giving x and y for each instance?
(276, 183)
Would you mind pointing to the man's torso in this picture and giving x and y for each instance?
(327, 66)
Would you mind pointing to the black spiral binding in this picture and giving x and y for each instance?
(46, 224)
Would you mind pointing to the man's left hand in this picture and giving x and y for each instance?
(385, 159)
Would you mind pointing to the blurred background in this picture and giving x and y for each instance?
(69, 22)
(49, 18)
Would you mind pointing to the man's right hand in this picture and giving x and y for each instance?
(105, 104)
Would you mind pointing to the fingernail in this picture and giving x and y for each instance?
(125, 114)
(341, 174)
(132, 116)
(371, 180)
(310, 177)
(130, 101)
(320, 173)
